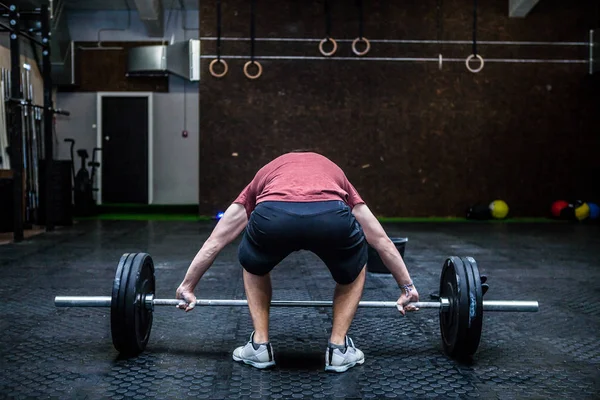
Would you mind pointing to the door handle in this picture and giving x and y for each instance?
(107, 138)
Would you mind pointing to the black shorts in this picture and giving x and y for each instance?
(327, 228)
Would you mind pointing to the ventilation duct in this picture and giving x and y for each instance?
(151, 14)
(520, 8)
(180, 58)
(62, 54)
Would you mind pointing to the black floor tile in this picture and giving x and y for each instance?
(47, 352)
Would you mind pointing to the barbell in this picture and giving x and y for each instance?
(460, 304)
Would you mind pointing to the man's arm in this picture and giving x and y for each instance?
(228, 228)
(381, 242)
(389, 254)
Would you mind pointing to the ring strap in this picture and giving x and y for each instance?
(359, 4)
(219, 30)
(475, 27)
(252, 28)
(327, 19)
(328, 38)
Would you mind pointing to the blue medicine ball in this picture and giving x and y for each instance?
(594, 210)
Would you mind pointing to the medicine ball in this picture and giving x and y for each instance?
(499, 209)
(582, 211)
(568, 212)
(479, 212)
(558, 206)
(594, 210)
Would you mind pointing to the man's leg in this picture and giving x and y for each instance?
(257, 352)
(346, 260)
(258, 292)
(345, 303)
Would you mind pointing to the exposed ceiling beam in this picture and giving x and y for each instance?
(151, 14)
(520, 8)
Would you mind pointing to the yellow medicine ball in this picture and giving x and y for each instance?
(499, 209)
(582, 212)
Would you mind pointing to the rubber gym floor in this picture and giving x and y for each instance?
(47, 352)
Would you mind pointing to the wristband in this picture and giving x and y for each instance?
(407, 287)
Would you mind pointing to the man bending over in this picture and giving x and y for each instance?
(301, 201)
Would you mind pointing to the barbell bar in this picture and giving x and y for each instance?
(460, 304)
(150, 302)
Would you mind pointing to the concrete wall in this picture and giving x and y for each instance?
(176, 162)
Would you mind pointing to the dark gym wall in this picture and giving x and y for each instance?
(414, 140)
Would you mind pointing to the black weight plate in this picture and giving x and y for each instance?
(131, 321)
(139, 316)
(117, 306)
(473, 336)
(454, 321)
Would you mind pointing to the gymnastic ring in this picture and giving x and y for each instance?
(258, 74)
(440, 61)
(367, 44)
(333, 50)
(469, 60)
(211, 67)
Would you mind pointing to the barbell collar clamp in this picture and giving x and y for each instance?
(150, 302)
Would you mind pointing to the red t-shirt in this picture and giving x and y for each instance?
(299, 177)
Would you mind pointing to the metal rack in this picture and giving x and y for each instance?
(18, 100)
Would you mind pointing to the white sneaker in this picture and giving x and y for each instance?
(257, 355)
(341, 361)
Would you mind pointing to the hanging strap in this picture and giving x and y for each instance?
(359, 4)
(327, 20)
(474, 27)
(219, 30)
(252, 28)
(328, 38)
(218, 60)
(252, 62)
(361, 37)
(474, 54)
